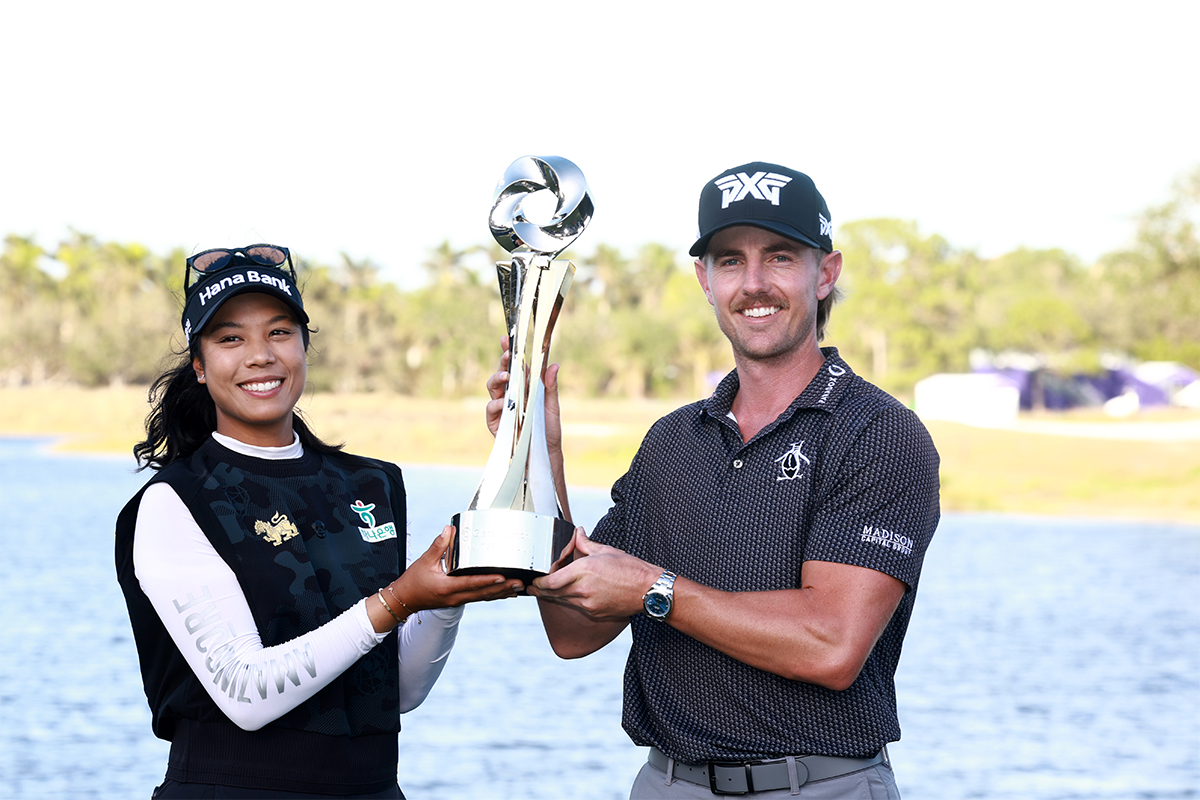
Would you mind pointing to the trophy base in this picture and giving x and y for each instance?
(515, 544)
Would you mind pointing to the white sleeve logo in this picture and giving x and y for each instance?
(890, 539)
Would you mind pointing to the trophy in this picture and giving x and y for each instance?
(514, 525)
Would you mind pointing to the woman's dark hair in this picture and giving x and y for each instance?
(183, 415)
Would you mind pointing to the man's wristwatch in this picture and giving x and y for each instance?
(661, 597)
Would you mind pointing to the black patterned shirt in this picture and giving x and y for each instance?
(848, 475)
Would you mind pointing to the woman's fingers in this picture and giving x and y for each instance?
(474, 588)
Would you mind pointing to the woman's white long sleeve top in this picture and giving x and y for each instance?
(190, 587)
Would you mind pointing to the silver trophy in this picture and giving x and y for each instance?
(515, 525)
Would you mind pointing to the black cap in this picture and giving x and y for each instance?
(766, 196)
(241, 276)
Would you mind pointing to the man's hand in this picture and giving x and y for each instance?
(603, 582)
(497, 386)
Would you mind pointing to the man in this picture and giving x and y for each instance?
(766, 542)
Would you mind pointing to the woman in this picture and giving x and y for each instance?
(280, 635)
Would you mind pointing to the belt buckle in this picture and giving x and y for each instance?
(743, 765)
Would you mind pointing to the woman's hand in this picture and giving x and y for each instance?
(429, 587)
(423, 586)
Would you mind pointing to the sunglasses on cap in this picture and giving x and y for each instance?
(267, 255)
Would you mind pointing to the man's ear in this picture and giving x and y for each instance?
(830, 269)
(702, 276)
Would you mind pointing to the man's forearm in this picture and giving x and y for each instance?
(820, 633)
(572, 633)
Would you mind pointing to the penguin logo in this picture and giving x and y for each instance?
(789, 462)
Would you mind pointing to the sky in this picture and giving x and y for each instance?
(379, 130)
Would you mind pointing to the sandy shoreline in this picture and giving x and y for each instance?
(1074, 464)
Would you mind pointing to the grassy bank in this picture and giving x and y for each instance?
(982, 469)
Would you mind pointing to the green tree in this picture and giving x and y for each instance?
(908, 306)
(117, 315)
(1036, 301)
(94, 312)
(29, 314)
(355, 316)
(703, 351)
(1150, 292)
(619, 335)
(449, 346)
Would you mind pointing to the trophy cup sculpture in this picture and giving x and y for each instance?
(514, 525)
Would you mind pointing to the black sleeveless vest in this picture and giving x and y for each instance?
(307, 539)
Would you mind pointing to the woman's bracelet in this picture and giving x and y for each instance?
(395, 616)
(401, 602)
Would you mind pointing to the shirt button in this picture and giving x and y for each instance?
(737, 464)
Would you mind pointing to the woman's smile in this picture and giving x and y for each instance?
(261, 387)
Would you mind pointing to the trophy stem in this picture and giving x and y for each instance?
(518, 479)
(517, 474)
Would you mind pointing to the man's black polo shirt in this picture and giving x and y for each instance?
(847, 474)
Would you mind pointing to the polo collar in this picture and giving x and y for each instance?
(824, 391)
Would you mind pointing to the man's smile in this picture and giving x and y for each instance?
(759, 311)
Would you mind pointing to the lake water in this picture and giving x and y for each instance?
(1047, 660)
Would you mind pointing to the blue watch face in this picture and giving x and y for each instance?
(657, 605)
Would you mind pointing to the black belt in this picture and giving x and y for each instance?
(761, 776)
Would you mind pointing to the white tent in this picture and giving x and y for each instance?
(980, 399)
